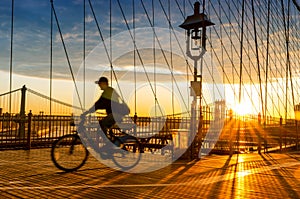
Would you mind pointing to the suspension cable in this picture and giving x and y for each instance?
(154, 58)
(288, 67)
(160, 46)
(241, 53)
(10, 92)
(52, 99)
(257, 59)
(66, 53)
(171, 55)
(134, 59)
(51, 56)
(267, 57)
(187, 63)
(106, 50)
(174, 34)
(232, 49)
(222, 45)
(110, 39)
(11, 54)
(138, 54)
(296, 4)
(180, 10)
(84, 38)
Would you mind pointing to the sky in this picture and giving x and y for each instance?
(31, 51)
(31, 47)
(31, 38)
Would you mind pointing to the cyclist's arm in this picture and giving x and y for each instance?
(101, 103)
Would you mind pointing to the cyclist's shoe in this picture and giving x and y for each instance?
(118, 145)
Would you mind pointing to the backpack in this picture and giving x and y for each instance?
(124, 109)
(120, 108)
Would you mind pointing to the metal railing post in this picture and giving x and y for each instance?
(258, 133)
(29, 131)
(22, 112)
(230, 132)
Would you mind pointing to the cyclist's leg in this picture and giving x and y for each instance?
(107, 122)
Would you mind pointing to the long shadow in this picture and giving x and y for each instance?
(288, 188)
(215, 191)
(235, 177)
(293, 156)
(168, 170)
(162, 173)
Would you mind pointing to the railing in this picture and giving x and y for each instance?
(238, 133)
(39, 130)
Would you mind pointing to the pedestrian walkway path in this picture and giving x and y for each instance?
(31, 174)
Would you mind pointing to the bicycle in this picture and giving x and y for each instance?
(68, 153)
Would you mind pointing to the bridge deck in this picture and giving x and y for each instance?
(31, 174)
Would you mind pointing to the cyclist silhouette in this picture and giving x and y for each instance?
(110, 100)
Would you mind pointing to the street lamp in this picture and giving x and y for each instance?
(195, 26)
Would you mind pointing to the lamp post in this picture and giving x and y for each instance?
(195, 26)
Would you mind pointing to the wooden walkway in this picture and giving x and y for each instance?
(31, 174)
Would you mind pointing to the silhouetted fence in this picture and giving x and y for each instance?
(38, 130)
(238, 134)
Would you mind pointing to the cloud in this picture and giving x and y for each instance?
(68, 36)
(89, 19)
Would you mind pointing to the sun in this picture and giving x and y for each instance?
(243, 108)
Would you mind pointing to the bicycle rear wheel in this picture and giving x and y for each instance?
(129, 156)
(68, 153)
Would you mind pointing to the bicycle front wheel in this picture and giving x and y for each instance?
(129, 156)
(68, 153)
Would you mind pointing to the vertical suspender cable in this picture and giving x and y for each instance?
(289, 70)
(154, 59)
(171, 56)
(110, 42)
(241, 69)
(105, 48)
(51, 56)
(222, 45)
(201, 71)
(84, 27)
(211, 60)
(241, 53)
(288, 67)
(286, 72)
(135, 46)
(11, 54)
(159, 43)
(257, 59)
(288, 55)
(134, 59)
(187, 64)
(231, 54)
(215, 87)
(267, 57)
(66, 53)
